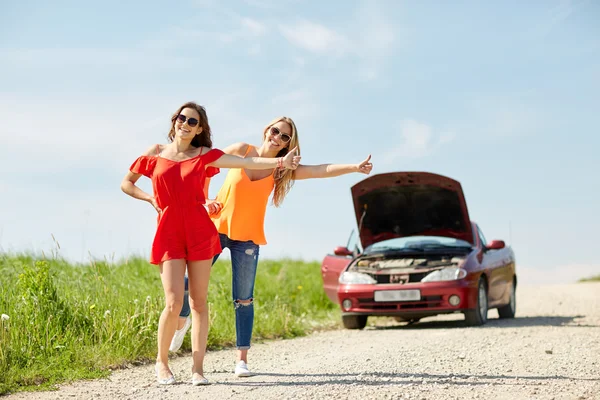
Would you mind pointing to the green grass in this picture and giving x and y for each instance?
(595, 278)
(67, 322)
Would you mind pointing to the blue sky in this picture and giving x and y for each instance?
(502, 96)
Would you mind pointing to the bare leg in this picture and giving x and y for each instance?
(242, 355)
(198, 277)
(171, 274)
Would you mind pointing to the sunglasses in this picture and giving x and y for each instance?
(191, 121)
(284, 136)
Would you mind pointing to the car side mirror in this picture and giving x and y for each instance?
(496, 245)
(342, 251)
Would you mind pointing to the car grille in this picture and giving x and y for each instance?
(385, 278)
(425, 302)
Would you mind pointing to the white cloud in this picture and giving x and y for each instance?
(315, 38)
(253, 26)
(417, 140)
(371, 45)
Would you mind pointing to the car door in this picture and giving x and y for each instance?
(333, 265)
(331, 268)
(493, 263)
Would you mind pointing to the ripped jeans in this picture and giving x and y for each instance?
(244, 260)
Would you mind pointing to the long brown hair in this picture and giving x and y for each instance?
(204, 138)
(284, 179)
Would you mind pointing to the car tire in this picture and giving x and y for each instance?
(478, 315)
(354, 321)
(509, 310)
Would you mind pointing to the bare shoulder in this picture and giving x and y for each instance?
(204, 150)
(154, 150)
(237, 149)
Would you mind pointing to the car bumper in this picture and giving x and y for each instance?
(434, 299)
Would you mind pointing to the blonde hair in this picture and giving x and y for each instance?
(284, 179)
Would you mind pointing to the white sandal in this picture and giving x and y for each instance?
(199, 381)
(163, 381)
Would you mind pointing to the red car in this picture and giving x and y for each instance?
(421, 255)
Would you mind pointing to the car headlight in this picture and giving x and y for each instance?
(355, 278)
(445, 274)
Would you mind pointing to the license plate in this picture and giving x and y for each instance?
(397, 295)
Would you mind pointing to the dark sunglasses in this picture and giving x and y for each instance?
(191, 121)
(284, 136)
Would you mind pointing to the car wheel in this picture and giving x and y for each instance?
(509, 310)
(354, 321)
(478, 316)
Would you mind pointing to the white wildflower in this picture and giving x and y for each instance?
(147, 298)
(5, 317)
(106, 313)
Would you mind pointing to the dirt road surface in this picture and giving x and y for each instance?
(551, 350)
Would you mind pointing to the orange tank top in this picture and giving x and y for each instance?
(244, 205)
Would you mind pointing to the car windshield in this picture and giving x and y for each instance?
(417, 243)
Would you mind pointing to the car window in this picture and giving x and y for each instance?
(481, 237)
(353, 242)
(417, 242)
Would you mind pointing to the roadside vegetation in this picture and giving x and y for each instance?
(62, 321)
(595, 278)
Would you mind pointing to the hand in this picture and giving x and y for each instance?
(152, 201)
(366, 166)
(291, 160)
(213, 207)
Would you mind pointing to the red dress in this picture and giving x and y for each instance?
(184, 229)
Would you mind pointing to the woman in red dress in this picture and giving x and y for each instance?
(185, 235)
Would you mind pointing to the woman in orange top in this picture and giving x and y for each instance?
(239, 217)
(185, 236)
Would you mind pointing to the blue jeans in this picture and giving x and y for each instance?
(244, 261)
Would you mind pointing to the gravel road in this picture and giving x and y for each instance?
(551, 350)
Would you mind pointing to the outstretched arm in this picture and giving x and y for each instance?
(290, 161)
(331, 170)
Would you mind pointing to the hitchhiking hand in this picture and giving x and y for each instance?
(366, 166)
(291, 160)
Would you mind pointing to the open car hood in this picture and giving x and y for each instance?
(400, 204)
